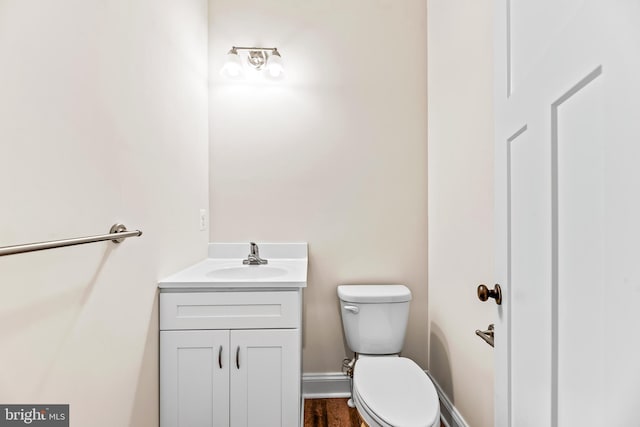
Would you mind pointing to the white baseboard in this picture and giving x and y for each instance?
(448, 413)
(325, 385)
(336, 384)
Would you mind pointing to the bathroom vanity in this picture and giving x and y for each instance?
(230, 339)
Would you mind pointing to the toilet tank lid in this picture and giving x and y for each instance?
(374, 293)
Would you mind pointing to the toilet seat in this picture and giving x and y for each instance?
(366, 414)
(393, 391)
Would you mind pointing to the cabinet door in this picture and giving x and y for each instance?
(194, 378)
(265, 378)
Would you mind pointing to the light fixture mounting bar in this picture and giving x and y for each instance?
(270, 49)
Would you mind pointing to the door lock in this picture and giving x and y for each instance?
(485, 293)
(488, 335)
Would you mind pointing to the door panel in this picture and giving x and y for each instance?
(194, 388)
(544, 18)
(265, 386)
(567, 98)
(580, 247)
(529, 267)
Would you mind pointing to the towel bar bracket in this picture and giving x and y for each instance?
(118, 228)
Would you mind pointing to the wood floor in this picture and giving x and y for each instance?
(330, 413)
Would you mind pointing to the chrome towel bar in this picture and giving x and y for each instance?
(117, 234)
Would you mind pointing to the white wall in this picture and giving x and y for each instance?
(461, 202)
(103, 118)
(334, 155)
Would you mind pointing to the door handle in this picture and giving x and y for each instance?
(220, 357)
(485, 293)
(238, 357)
(488, 335)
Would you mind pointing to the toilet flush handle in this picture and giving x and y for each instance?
(352, 308)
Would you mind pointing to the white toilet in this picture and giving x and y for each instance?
(388, 390)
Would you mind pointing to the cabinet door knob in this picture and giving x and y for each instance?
(238, 357)
(220, 357)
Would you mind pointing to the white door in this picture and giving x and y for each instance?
(265, 378)
(194, 378)
(568, 212)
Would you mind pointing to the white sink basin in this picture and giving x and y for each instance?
(247, 272)
(223, 268)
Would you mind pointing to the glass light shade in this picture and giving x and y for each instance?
(232, 67)
(275, 68)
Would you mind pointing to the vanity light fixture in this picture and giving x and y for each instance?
(258, 58)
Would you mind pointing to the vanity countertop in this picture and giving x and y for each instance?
(286, 268)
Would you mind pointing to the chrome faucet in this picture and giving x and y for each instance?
(254, 256)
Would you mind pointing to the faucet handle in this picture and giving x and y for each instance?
(254, 256)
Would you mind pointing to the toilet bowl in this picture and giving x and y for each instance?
(388, 390)
(393, 391)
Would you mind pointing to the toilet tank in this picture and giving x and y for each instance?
(374, 317)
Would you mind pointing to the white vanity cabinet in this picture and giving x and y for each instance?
(230, 358)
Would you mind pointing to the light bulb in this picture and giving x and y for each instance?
(232, 67)
(232, 71)
(275, 69)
